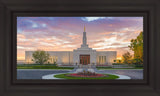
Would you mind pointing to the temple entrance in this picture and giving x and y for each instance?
(84, 59)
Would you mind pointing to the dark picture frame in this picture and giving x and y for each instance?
(9, 9)
(14, 16)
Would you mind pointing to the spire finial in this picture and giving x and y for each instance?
(84, 29)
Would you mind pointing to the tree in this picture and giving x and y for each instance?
(137, 61)
(119, 61)
(137, 46)
(40, 57)
(126, 57)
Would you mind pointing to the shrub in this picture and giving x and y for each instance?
(117, 63)
(114, 61)
(137, 61)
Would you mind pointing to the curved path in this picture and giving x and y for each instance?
(51, 76)
(133, 73)
(38, 73)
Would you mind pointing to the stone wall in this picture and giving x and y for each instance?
(77, 53)
(71, 57)
(28, 57)
(63, 57)
(110, 56)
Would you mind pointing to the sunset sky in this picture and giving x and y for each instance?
(65, 33)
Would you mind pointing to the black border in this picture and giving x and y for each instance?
(149, 88)
(143, 14)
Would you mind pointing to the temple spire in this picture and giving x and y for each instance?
(84, 39)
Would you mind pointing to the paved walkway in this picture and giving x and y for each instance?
(134, 74)
(38, 73)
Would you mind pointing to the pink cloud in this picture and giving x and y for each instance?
(66, 34)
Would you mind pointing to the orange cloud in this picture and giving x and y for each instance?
(65, 34)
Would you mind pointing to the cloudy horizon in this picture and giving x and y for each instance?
(65, 33)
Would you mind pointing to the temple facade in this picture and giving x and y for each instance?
(82, 55)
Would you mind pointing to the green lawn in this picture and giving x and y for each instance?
(38, 66)
(67, 77)
(53, 66)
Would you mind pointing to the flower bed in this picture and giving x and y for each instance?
(85, 75)
(67, 76)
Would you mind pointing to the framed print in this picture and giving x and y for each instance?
(114, 49)
(79, 48)
(58, 57)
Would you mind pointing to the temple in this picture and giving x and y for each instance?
(83, 55)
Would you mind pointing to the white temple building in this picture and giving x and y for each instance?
(82, 55)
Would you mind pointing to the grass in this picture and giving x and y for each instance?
(38, 66)
(67, 77)
(53, 66)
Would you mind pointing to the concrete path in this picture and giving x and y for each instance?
(38, 73)
(133, 73)
(51, 76)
